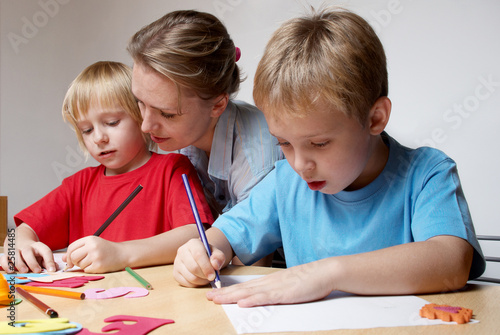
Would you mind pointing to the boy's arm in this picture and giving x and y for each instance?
(31, 254)
(96, 255)
(193, 268)
(439, 264)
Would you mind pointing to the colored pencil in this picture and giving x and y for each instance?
(114, 215)
(53, 292)
(141, 280)
(118, 211)
(44, 308)
(199, 225)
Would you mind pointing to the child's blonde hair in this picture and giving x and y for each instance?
(107, 84)
(330, 56)
(193, 49)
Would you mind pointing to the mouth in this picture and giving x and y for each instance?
(158, 139)
(316, 185)
(106, 153)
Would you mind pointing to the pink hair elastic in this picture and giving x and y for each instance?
(238, 54)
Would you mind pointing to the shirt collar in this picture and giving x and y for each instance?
(221, 152)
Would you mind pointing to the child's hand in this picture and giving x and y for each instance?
(30, 254)
(95, 255)
(298, 284)
(193, 268)
(30, 257)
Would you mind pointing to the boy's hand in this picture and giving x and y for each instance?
(32, 257)
(298, 284)
(30, 254)
(193, 268)
(95, 255)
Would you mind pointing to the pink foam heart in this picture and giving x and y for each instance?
(114, 292)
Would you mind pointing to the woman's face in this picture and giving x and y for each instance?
(158, 101)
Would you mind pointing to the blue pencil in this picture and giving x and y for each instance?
(199, 225)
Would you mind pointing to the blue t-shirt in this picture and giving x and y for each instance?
(417, 196)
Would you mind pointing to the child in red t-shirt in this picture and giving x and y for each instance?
(107, 122)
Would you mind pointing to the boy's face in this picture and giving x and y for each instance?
(158, 100)
(329, 150)
(113, 139)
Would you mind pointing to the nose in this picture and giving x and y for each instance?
(302, 161)
(149, 123)
(99, 136)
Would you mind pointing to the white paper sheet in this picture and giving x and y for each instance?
(61, 264)
(337, 311)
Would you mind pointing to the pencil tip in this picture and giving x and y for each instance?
(218, 284)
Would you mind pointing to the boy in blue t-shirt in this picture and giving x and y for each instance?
(353, 209)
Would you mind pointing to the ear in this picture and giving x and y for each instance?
(379, 115)
(220, 105)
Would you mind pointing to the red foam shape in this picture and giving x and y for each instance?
(142, 326)
(67, 282)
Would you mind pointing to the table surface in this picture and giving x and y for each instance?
(194, 314)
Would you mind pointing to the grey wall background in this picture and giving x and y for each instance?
(443, 59)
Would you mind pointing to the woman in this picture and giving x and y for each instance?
(184, 76)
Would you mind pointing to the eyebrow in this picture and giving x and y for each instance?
(306, 137)
(120, 111)
(156, 107)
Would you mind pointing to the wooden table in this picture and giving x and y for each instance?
(194, 314)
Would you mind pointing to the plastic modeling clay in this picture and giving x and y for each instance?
(446, 313)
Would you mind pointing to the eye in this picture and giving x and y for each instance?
(86, 131)
(113, 123)
(320, 144)
(167, 115)
(283, 144)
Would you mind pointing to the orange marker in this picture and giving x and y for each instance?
(54, 292)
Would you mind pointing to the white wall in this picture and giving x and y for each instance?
(443, 59)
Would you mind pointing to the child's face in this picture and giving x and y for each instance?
(113, 139)
(329, 150)
(158, 100)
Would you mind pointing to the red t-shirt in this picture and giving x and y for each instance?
(85, 200)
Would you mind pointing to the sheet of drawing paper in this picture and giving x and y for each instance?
(57, 276)
(61, 264)
(337, 311)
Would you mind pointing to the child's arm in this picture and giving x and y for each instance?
(439, 264)
(97, 255)
(31, 254)
(193, 268)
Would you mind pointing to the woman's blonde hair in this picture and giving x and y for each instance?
(193, 49)
(107, 84)
(331, 56)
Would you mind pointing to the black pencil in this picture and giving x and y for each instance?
(118, 211)
(114, 215)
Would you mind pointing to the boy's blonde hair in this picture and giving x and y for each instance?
(107, 84)
(330, 56)
(193, 49)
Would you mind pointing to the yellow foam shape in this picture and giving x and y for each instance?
(36, 326)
